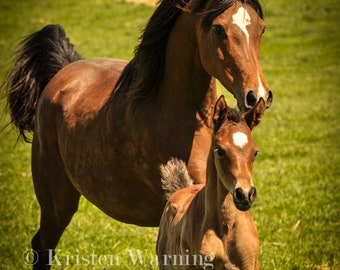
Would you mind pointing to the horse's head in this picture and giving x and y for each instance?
(229, 34)
(234, 150)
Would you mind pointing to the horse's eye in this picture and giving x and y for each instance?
(220, 152)
(218, 30)
(255, 154)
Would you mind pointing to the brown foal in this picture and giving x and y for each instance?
(210, 226)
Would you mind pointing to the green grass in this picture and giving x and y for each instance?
(296, 173)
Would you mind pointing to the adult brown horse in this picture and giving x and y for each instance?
(101, 127)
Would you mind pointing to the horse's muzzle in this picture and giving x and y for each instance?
(251, 99)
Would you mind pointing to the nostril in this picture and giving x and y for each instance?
(269, 99)
(239, 195)
(251, 98)
(252, 194)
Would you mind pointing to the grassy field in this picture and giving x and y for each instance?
(296, 173)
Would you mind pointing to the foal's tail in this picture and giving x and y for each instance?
(40, 56)
(174, 176)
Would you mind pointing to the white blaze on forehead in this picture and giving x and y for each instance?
(240, 139)
(241, 18)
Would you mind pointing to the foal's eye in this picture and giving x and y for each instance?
(220, 152)
(218, 30)
(255, 154)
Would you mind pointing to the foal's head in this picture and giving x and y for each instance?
(228, 35)
(235, 149)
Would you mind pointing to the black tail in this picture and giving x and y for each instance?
(174, 176)
(40, 56)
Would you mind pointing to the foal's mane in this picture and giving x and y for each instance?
(142, 75)
(233, 115)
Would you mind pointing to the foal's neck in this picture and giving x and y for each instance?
(220, 210)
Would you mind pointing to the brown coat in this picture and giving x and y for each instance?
(210, 226)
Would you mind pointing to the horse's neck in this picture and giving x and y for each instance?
(220, 211)
(185, 80)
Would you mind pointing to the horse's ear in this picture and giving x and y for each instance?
(254, 116)
(220, 112)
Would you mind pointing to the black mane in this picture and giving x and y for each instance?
(142, 75)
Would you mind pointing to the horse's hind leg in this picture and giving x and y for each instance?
(58, 201)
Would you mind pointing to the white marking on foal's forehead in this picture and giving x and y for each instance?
(240, 139)
(241, 18)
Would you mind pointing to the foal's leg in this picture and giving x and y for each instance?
(58, 201)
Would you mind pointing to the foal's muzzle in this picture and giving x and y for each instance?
(244, 198)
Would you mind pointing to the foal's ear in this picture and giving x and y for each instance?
(254, 116)
(220, 112)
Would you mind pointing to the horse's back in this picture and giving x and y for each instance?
(83, 85)
(76, 96)
(72, 107)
